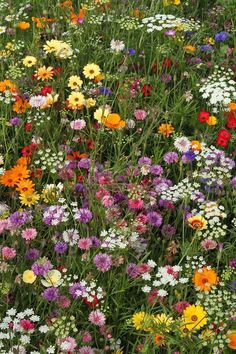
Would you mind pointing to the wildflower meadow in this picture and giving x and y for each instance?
(117, 176)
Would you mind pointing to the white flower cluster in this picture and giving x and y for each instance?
(165, 276)
(194, 262)
(38, 118)
(214, 214)
(12, 327)
(219, 89)
(183, 190)
(161, 22)
(118, 238)
(49, 160)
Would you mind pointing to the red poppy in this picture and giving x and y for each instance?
(231, 122)
(223, 138)
(167, 63)
(146, 90)
(45, 90)
(203, 116)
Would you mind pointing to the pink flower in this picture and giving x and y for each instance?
(140, 114)
(86, 337)
(208, 244)
(78, 124)
(107, 201)
(29, 234)
(4, 224)
(8, 253)
(135, 203)
(181, 306)
(97, 318)
(67, 344)
(27, 325)
(63, 302)
(84, 243)
(86, 350)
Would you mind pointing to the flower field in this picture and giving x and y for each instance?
(117, 177)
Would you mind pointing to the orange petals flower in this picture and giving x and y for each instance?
(197, 222)
(165, 129)
(23, 25)
(231, 335)
(7, 179)
(20, 172)
(205, 278)
(44, 73)
(114, 121)
(20, 106)
(25, 186)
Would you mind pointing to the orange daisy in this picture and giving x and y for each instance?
(20, 106)
(165, 129)
(114, 121)
(20, 172)
(25, 186)
(7, 179)
(44, 73)
(205, 278)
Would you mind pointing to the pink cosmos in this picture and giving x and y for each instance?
(97, 318)
(8, 253)
(140, 114)
(29, 234)
(208, 244)
(135, 203)
(84, 243)
(144, 268)
(107, 201)
(78, 124)
(27, 325)
(67, 344)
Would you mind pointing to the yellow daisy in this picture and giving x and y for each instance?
(76, 100)
(29, 61)
(75, 82)
(90, 71)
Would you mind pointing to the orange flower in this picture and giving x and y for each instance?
(20, 106)
(205, 278)
(44, 73)
(25, 186)
(23, 161)
(166, 129)
(67, 3)
(231, 335)
(159, 339)
(232, 106)
(114, 121)
(75, 18)
(23, 25)
(20, 172)
(197, 222)
(38, 22)
(196, 145)
(7, 179)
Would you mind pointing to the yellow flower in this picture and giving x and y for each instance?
(75, 82)
(29, 61)
(194, 317)
(189, 48)
(52, 46)
(29, 277)
(209, 40)
(101, 113)
(52, 278)
(197, 222)
(164, 320)
(212, 120)
(165, 129)
(90, 71)
(142, 320)
(29, 199)
(76, 100)
(171, 2)
(90, 102)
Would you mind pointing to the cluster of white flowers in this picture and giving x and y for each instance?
(38, 118)
(49, 160)
(161, 22)
(118, 238)
(12, 327)
(71, 236)
(219, 89)
(194, 262)
(214, 214)
(128, 23)
(165, 276)
(183, 190)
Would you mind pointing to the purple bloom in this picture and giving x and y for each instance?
(221, 36)
(84, 163)
(207, 48)
(60, 247)
(233, 182)
(154, 218)
(188, 156)
(232, 263)
(103, 262)
(77, 290)
(83, 215)
(168, 230)
(133, 270)
(55, 214)
(95, 241)
(166, 78)
(15, 121)
(51, 294)
(32, 254)
(131, 51)
(41, 267)
(18, 219)
(156, 170)
(144, 161)
(171, 157)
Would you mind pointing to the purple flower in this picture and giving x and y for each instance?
(144, 161)
(76, 290)
(83, 215)
(51, 294)
(156, 170)
(232, 263)
(84, 163)
(233, 182)
(32, 254)
(207, 48)
(168, 230)
(188, 156)
(221, 36)
(133, 270)
(55, 214)
(166, 78)
(95, 241)
(41, 267)
(171, 157)
(103, 262)
(18, 219)
(154, 218)
(60, 247)
(15, 121)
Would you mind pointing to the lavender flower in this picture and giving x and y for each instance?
(51, 294)
(221, 36)
(41, 267)
(83, 215)
(103, 262)
(32, 254)
(61, 247)
(154, 218)
(171, 157)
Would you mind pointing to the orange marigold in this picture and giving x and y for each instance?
(165, 129)
(20, 106)
(231, 335)
(205, 278)
(23, 25)
(7, 179)
(25, 186)
(20, 172)
(114, 121)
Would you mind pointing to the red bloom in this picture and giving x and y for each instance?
(27, 325)
(167, 63)
(203, 116)
(28, 127)
(231, 120)
(45, 90)
(223, 138)
(146, 90)
(92, 304)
